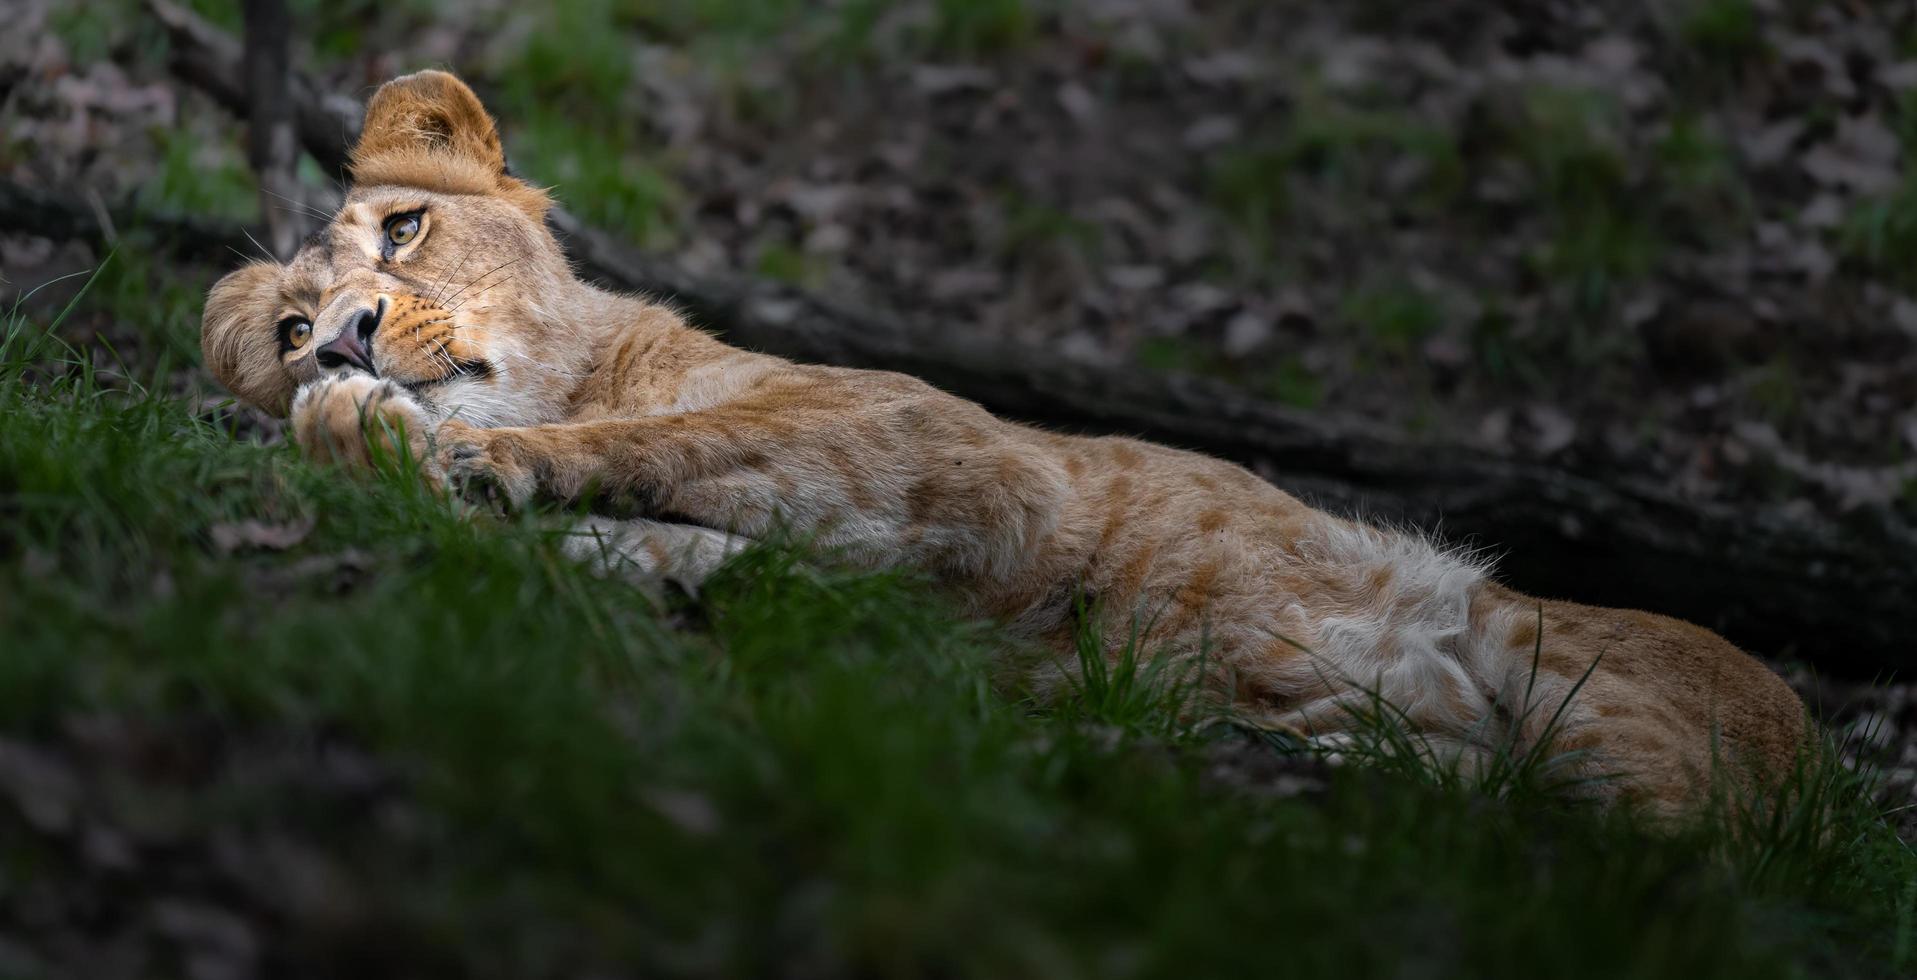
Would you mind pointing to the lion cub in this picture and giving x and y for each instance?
(438, 299)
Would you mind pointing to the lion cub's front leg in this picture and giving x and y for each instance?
(482, 466)
(355, 420)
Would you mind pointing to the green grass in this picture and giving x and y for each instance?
(1285, 379)
(91, 32)
(1251, 186)
(1691, 158)
(565, 84)
(1604, 230)
(981, 27)
(824, 35)
(1776, 391)
(1881, 232)
(1604, 200)
(803, 766)
(1395, 316)
(1340, 149)
(133, 287)
(599, 173)
(1616, 208)
(1292, 382)
(198, 176)
(1725, 31)
(788, 263)
(1032, 227)
(578, 56)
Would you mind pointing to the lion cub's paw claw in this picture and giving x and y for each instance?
(485, 479)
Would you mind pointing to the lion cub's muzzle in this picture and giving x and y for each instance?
(353, 346)
(407, 339)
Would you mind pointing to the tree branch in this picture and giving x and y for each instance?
(272, 148)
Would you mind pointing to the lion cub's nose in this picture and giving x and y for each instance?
(354, 344)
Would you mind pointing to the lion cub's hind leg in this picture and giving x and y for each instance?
(649, 553)
(1679, 712)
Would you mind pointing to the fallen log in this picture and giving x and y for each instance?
(1839, 594)
(30, 211)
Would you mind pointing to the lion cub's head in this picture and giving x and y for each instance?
(437, 273)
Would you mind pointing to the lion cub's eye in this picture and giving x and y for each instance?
(402, 228)
(296, 331)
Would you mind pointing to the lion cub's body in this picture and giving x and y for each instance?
(1299, 616)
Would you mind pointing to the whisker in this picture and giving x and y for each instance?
(483, 275)
(501, 282)
(268, 256)
(305, 212)
(447, 282)
(303, 207)
(302, 213)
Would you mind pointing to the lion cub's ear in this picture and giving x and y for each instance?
(239, 338)
(431, 112)
(429, 130)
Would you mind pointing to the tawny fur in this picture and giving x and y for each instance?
(507, 373)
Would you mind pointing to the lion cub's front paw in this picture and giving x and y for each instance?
(483, 467)
(357, 420)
